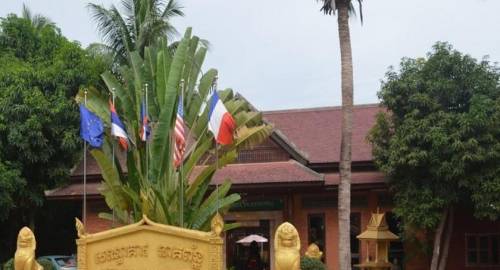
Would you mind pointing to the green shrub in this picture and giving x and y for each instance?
(9, 265)
(47, 265)
(307, 263)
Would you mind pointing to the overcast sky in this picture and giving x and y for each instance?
(284, 53)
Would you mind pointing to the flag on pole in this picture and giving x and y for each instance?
(180, 140)
(91, 127)
(220, 122)
(118, 128)
(145, 129)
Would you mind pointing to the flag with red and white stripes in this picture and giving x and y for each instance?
(180, 140)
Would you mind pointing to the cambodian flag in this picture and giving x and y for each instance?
(117, 127)
(220, 121)
(145, 129)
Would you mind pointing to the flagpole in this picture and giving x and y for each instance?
(216, 153)
(181, 180)
(84, 214)
(145, 131)
(113, 151)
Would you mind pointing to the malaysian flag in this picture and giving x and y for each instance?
(180, 140)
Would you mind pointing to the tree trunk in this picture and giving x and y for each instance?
(436, 251)
(344, 200)
(447, 237)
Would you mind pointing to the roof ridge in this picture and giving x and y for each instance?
(324, 108)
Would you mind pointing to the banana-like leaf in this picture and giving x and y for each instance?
(161, 140)
(205, 213)
(95, 102)
(150, 184)
(125, 100)
(224, 159)
(199, 57)
(231, 226)
(247, 137)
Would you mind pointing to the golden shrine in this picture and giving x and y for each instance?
(152, 246)
(377, 238)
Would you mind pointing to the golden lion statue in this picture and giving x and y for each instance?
(287, 248)
(314, 252)
(24, 259)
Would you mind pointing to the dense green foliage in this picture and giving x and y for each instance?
(439, 140)
(40, 73)
(307, 263)
(154, 189)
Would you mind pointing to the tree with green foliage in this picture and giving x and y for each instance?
(439, 140)
(344, 8)
(38, 21)
(41, 71)
(140, 24)
(153, 186)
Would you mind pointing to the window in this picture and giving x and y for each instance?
(355, 231)
(316, 231)
(483, 249)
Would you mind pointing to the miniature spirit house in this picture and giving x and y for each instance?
(376, 239)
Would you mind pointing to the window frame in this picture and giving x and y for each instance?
(321, 215)
(477, 250)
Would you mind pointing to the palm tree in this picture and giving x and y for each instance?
(344, 8)
(38, 21)
(142, 22)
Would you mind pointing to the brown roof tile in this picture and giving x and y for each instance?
(244, 173)
(356, 178)
(316, 131)
(269, 172)
(74, 190)
(241, 174)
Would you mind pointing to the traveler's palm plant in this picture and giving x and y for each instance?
(150, 184)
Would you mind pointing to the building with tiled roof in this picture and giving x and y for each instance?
(293, 176)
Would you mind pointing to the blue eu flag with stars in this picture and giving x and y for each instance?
(91, 127)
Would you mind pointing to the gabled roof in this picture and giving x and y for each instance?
(269, 172)
(281, 172)
(316, 132)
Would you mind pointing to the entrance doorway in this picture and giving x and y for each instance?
(248, 255)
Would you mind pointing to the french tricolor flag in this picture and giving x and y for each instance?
(220, 121)
(117, 127)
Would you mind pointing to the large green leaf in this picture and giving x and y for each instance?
(161, 143)
(151, 185)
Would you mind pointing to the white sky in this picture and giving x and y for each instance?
(284, 53)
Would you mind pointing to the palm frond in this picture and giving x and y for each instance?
(113, 29)
(171, 10)
(329, 7)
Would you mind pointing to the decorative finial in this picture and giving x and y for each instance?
(217, 224)
(80, 229)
